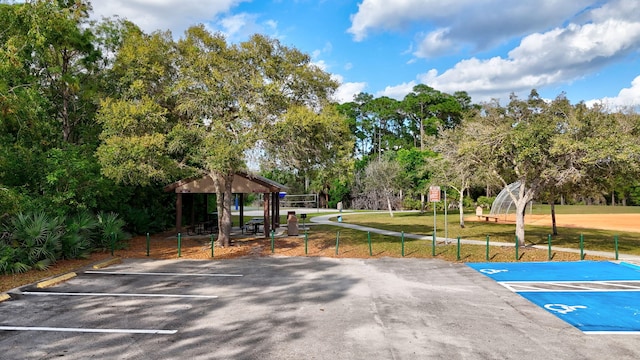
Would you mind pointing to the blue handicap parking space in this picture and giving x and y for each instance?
(558, 271)
(595, 297)
(614, 311)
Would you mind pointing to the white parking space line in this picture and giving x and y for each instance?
(611, 332)
(46, 293)
(159, 274)
(572, 286)
(86, 330)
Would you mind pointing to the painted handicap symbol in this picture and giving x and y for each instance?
(492, 271)
(562, 308)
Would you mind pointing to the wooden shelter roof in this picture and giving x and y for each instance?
(243, 183)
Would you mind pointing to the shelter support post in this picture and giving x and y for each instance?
(179, 212)
(267, 222)
(275, 213)
(241, 209)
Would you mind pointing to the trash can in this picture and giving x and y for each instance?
(292, 224)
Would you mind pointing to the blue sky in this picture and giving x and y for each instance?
(489, 48)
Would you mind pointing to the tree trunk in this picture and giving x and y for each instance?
(521, 208)
(553, 218)
(461, 209)
(613, 198)
(389, 205)
(224, 201)
(421, 136)
(520, 228)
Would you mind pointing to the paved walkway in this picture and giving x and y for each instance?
(324, 219)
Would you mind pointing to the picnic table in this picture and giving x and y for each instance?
(205, 227)
(253, 225)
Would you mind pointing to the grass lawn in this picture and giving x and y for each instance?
(355, 244)
(414, 222)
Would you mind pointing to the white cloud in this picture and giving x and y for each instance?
(239, 25)
(479, 23)
(627, 97)
(347, 91)
(321, 64)
(435, 43)
(327, 49)
(393, 15)
(272, 24)
(174, 15)
(397, 92)
(559, 55)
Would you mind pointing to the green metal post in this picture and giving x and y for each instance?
(337, 241)
(434, 218)
(369, 240)
(272, 242)
(306, 241)
(581, 247)
(212, 247)
(487, 252)
(403, 244)
(113, 243)
(179, 244)
(615, 241)
(458, 253)
(549, 242)
(517, 248)
(148, 240)
(433, 245)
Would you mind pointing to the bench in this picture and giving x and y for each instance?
(487, 217)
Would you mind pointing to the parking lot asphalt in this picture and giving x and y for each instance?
(289, 308)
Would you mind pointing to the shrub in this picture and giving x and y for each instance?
(76, 242)
(9, 263)
(110, 231)
(485, 201)
(36, 239)
(411, 204)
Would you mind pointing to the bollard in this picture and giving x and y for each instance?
(369, 239)
(179, 244)
(306, 241)
(517, 246)
(549, 242)
(212, 245)
(581, 247)
(337, 241)
(433, 245)
(487, 252)
(148, 244)
(458, 253)
(272, 242)
(615, 242)
(402, 244)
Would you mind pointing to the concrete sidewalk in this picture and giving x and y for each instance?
(325, 219)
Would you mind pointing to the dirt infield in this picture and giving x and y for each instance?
(619, 222)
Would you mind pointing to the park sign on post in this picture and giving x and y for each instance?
(434, 193)
(434, 196)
